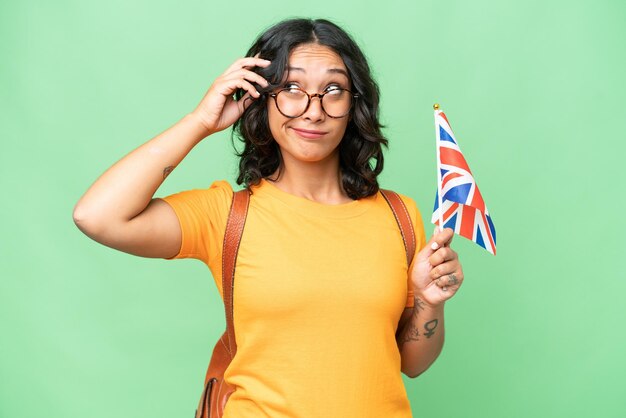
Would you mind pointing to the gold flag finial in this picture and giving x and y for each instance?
(436, 106)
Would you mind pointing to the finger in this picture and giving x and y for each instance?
(452, 279)
(245, 85)
(441, 239)
(440, 282)
(250, 76)
(248, 62)
(442, 255)
(444, 269)
(251, 89)
(245, 102)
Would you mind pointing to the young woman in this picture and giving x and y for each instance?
(327, 312)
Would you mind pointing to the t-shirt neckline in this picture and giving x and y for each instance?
(311, 208)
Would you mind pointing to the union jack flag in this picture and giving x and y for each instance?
(462, 206)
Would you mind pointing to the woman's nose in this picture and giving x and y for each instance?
(315, 111)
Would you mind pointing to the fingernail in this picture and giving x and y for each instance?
(434, 245)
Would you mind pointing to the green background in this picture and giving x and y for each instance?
(534, 91)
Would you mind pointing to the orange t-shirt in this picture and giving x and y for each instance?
(318, 293)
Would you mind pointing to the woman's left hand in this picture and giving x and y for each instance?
(437, 273)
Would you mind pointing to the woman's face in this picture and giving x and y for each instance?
(313, 136)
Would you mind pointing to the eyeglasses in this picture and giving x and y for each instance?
(293, 102)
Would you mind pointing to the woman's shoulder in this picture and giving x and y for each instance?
(221, 186)
(216, 197)
(412, 209)
(408, 201)
(217, 187)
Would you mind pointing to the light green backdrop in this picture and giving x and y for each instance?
(533, 89)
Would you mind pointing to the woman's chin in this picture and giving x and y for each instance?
(314, 156)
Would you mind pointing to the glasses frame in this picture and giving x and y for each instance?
(311, 96)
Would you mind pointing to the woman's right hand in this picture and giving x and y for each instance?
(218, 109)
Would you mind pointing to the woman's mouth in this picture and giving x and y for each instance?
(309, 134)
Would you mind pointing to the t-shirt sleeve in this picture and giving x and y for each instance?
(202, 214)
(420, 242)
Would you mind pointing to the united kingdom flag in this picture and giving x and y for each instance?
(461, 206)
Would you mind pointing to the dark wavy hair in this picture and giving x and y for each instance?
(363, 138)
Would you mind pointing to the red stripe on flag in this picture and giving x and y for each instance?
(448, 177)
(450, 211)
(477, 200)
(467, 226)
(443, 115)
(453, 157)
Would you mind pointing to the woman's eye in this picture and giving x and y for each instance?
(333, 89)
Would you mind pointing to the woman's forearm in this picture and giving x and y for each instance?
(126, 188)
(422, 338)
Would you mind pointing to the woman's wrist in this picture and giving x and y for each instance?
(203, 129)
(420, 304)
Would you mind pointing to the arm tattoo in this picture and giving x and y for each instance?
(430, 328)
(411, 333)
(167, 170)
(418, 305)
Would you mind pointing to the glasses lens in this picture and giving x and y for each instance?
(337, 102)
(291, 102)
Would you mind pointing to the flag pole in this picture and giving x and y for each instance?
(439, 188)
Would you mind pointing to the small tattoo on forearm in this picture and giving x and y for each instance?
(418, 305)
(167, 170)
(452, 280)
(411, 333)
(430, 328)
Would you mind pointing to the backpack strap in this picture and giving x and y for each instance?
(232, 238)
(404, 222)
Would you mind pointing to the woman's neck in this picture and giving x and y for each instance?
(318, 182)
